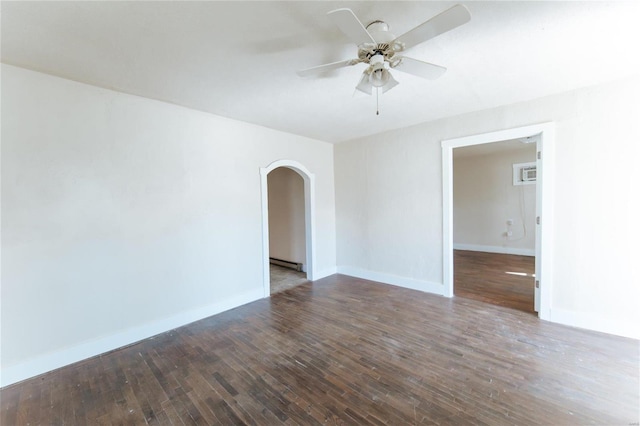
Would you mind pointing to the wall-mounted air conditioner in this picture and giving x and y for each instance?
(524, 173)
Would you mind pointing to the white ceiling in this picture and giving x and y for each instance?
(238, 59)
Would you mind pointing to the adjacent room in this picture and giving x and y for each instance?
(494, 211)
(287, 238)
(230, 212)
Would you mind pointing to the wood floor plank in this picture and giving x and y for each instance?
(347, 351)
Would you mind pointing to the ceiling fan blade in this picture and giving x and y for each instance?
(351, 26)
(445, 21)
(327, 67)
(420, 68)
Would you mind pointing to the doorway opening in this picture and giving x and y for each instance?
(293, 231)
(287, 251)
(544, 138)
(494, 222)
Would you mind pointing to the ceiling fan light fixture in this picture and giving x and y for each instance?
(379, 75)
(364, 86)
(391, 83)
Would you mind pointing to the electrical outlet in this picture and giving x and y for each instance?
(509, 222)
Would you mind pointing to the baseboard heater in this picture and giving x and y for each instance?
(286, 264)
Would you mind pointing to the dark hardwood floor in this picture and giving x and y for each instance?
(500, 279)
(347, 351)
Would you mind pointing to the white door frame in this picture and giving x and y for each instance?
(544, 205)
(309, 218)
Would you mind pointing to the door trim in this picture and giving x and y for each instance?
(544, 205)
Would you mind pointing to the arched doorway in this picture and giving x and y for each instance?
(309, 213)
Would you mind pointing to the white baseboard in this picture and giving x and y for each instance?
(324, 273)
(595, 323)
(421, 285)
(53, 360)
(495, 249)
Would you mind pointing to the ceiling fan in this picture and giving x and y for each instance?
(381, 50)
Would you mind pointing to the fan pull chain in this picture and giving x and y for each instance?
(377, 104)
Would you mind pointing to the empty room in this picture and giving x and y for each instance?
(319, 212)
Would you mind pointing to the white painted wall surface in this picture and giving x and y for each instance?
(286, 215)
(123, 217)
(389, 195)
(484, 198)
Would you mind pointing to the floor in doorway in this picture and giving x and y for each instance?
(500, 279)
(284, 278)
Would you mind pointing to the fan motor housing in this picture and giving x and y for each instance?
(379, 30)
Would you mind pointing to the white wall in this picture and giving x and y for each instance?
(286, 215)
(123, 217)
(484, 198)
(389, 202)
